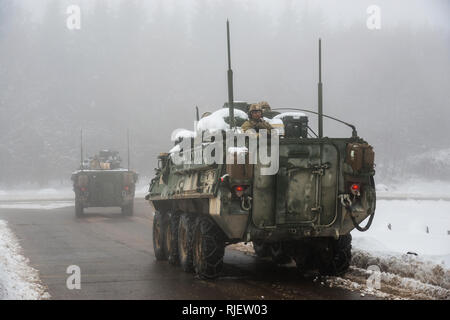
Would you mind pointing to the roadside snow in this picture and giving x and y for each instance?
(18, 281)
(45, 205)
(401, 226)
(420, 227)
(414, 188)
(37, 194)
(57, 193)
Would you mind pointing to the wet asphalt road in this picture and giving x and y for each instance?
(115, 254)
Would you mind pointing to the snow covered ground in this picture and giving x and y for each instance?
(37, 194)
(414, 188)
(402, 226)
(18, 281)
(61, 192)
(39, 204)
(409, 241)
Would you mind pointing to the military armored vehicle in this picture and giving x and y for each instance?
(101, 182)
(324, 188)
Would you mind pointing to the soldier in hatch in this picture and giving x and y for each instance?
(256, 121)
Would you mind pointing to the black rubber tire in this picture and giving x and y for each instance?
(172, 239)
(338, 262)
(262, 249)
(79, 210)
(302, 257)
(128, 210)
(185, 236)
(208, 248)
(278, 253)
(159, 236)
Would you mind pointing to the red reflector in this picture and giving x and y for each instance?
(355, 187)
(239, 188)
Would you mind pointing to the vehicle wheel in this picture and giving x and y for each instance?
(185, 235)
(262, 249)
(208, 248)
(339, 260)
(127, 210)
(79, 210)
(278, 253)
(159, 236)
(302, 258)
(172, 239)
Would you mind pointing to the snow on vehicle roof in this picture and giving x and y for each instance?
(277, 124)
(181, 133)
(294, 114)
(216, 120)
(175, 149)
(274, 121)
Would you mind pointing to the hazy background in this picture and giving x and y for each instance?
(145, 65)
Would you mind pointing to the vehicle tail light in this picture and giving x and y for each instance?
(239, 190)
(126, 188)
(355, 189)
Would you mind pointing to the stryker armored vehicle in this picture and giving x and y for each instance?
(101, 182)
(323, 189)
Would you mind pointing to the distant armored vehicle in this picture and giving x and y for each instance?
(323, 189)
(101, 182)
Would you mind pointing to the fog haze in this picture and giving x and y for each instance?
(145, 65)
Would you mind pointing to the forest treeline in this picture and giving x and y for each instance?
(146, 68)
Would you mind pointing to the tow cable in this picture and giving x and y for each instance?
(347, 203)
(246, 203)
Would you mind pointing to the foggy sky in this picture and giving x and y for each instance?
(145, 65)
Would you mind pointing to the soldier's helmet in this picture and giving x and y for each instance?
(265, 106)
(254, 107)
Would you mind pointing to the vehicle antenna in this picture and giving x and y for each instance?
(81, 147)
(320, 92)
(128, 146)
(230, 80)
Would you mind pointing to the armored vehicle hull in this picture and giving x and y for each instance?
(304, 211)
(104, 188)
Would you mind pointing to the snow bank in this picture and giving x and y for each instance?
(42, 205)
(57, 193)
(37, 194)
(420, 227)
(401, 226)
(405, 266)
(18, 281)
(415, 188)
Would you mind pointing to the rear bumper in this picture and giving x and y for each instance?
(119, 201)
